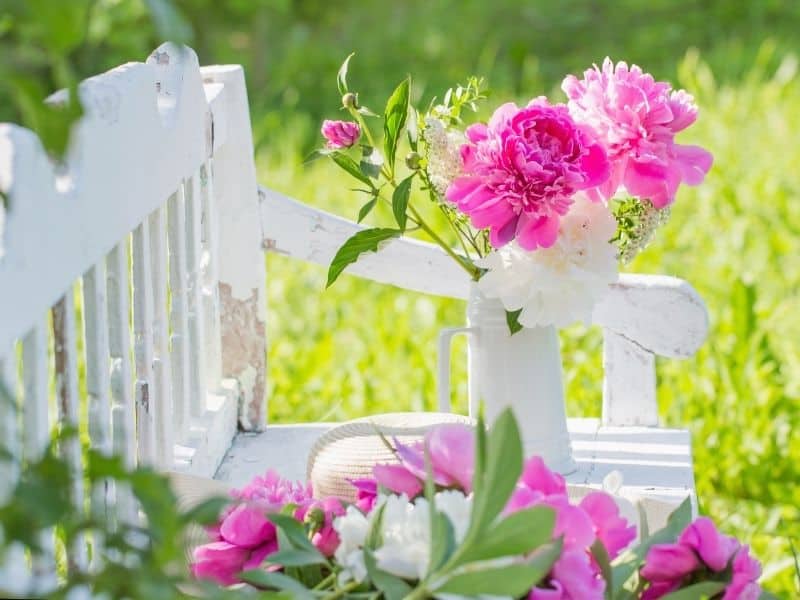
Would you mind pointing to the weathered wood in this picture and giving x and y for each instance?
(210, 278)
(242, 283)
(146, 128)
(162, 371)
(663, 315)
(145, 397)
(196, 322)
(36, 420)
(121, 377)
(629, 386)
(68, 402)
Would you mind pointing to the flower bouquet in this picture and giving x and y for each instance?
(541, 202)
(461, 515)
(539, 205)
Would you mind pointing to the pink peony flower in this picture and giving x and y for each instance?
(610, 527)
(637, 118)
(746, 571)
(714, 548)
(366, 493)
(219, 561)
(669, 563)
(244, 537)
(324, 536)
(701, 548)
(340, 134)
(571, 578)
(521, 170)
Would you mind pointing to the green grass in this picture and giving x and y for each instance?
(361, 348)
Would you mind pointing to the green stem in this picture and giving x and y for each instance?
(418, 594)
(363, 124)
(322, 584)
(342, 591)
(473, 271)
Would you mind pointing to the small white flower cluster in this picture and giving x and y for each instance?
(639, 237)
(405, 531)
(443, 153)
(561, 284)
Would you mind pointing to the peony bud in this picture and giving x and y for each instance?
(350, 100)
(413, 160)
(340, 134)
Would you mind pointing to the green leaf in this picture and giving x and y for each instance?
(517, 534)
(503, 466)
(394, 119)
(374, 537)
(602, 559)
(207, 512)
(512, 318)
(412, 128)
(512, 580)
(704, 589)
(393, 588)
(294, 531)
(294, 557)
(371, 162)
(349, 165)
(277, 581)
(341, 76)
(400, 201)
(367, 208)
(363, 241)
(443, 539)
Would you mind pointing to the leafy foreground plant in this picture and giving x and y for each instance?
(461, 515)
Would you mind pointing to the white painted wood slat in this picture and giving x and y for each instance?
(95, 319)
(36, 420)
(242, 282)
(162, 372)
(145, 397)
(664, 315)
(123, 421)
(178, 316)
(68, 402)
(210, 278)
(194, 258)
(14, 571)
(629, 386)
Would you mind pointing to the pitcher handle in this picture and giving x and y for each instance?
(443, 358)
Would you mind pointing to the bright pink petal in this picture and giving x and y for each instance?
(537, 476)
(452, 451)
(398, 479)
(611, 529)
(694, 163)
(247, 526)
(714, 548)
(219, 561)
(537, 233)
(669, 562)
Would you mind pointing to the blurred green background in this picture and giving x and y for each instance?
(360, 348)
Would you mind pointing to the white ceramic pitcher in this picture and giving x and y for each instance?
(522, 371)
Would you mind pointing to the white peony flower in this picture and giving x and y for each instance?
(352, 528)
(406, 538)
(561, 284)
(457, 508)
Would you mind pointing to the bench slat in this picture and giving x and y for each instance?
(178, 318)
(121, 378)
(36, 421)
(145, 394)
(210, 277)
(194, 292)
(68, 407)
(162, 369)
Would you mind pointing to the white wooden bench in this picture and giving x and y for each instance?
(158, 218)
